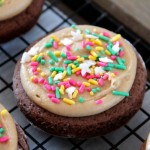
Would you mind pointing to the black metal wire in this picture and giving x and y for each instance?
(94, 15)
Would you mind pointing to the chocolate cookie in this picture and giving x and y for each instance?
(88, 126)
(21, 23)
(22, 140)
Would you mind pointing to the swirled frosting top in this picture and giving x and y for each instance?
(11, 8)
(79, 71)
(8, 132)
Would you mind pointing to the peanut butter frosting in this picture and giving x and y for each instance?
(148, 143)
(8, 132)
(79, 71)
(11, 8)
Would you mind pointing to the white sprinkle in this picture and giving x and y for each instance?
(105, 59)
(85, 66)
(116, 47)
(66, 41)
(70, 91)
(76, 36)
(25, 57)
(91, 36)
(33, 51)
(98, 70)
(58, 76)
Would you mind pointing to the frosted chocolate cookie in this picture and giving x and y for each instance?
(17, 17)
(12, 136)
(79, 79)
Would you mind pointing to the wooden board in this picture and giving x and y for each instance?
(135, 14)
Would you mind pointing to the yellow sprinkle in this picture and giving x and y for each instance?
(68, 101)
(41, 54)
(62, 87)
(75, 70)
(93, 82)
(4, 112)
(101, 73)
(107, 53)
(116, 38)
(74, 66)
(82, 35)
(75, 94)
(92, 71)
(66, 79)
(54, 37)
(64, 74)
(31, 78)
(91, 93)
(59, 43)
(99, 48)
(61, 91)
(93, 67)
(38, 69)
(43, 74)
(98, 42)
(93, 53)
(34, 58)
(53, 74)
(92, 57)
(80, 59)
(57, 53)
(86, 83)
(94, 30)
(112, 74)
(70, 64)
(78, 56)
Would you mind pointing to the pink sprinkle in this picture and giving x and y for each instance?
(34, 68)
(68, 53)
(41, 80)
(89, 43)
(72, 57)
(121, 53)
(68, 47)
(89, 89)
(45, 82)
(78, 72)
(102, 64)
(53, 88)
(34, 63)
(101, 82)
(1, 126)
(35, 73)
(82, 87)
(90, 76)
(48, 87)
(105, 77)
(4, 139)
(120, 43)
(105, 33)
(116, 73)
(105, 45)
(113, 57)
(50, 95)
(79, 83)
(62, 83)
(100, 101)
(72, 82)
(55, 100)
(83, 44)
(55, 45)
(84, 75)
(67, 85)
(35, 80)
(97, 76)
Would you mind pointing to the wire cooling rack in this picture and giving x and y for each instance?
(58, 14)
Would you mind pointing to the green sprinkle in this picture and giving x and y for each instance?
(39, 58)
(73, 26)
(51, 41)
(63, 55)
(107, 68)
(51, 62)
(95, 34)
(111, 50)
(84, 56)
(57, 93)
(67, 61)
(43, 62)
(77, 65)
(123, 60)
(56, 82)
(1, 130)
(98, 89)
(110, 65)
(53, 56)
(122, 67)
(52, 69)
(48, 45)
(81, 99)
(103, 52)
(104, 38)
(77, 49)
(88, 47)
(59, 69)
(87, 31)
(75, 62)
(50, 80)
(120, 93)
(94, 90)
(110, 44)
(69, 71)
(119, 60)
